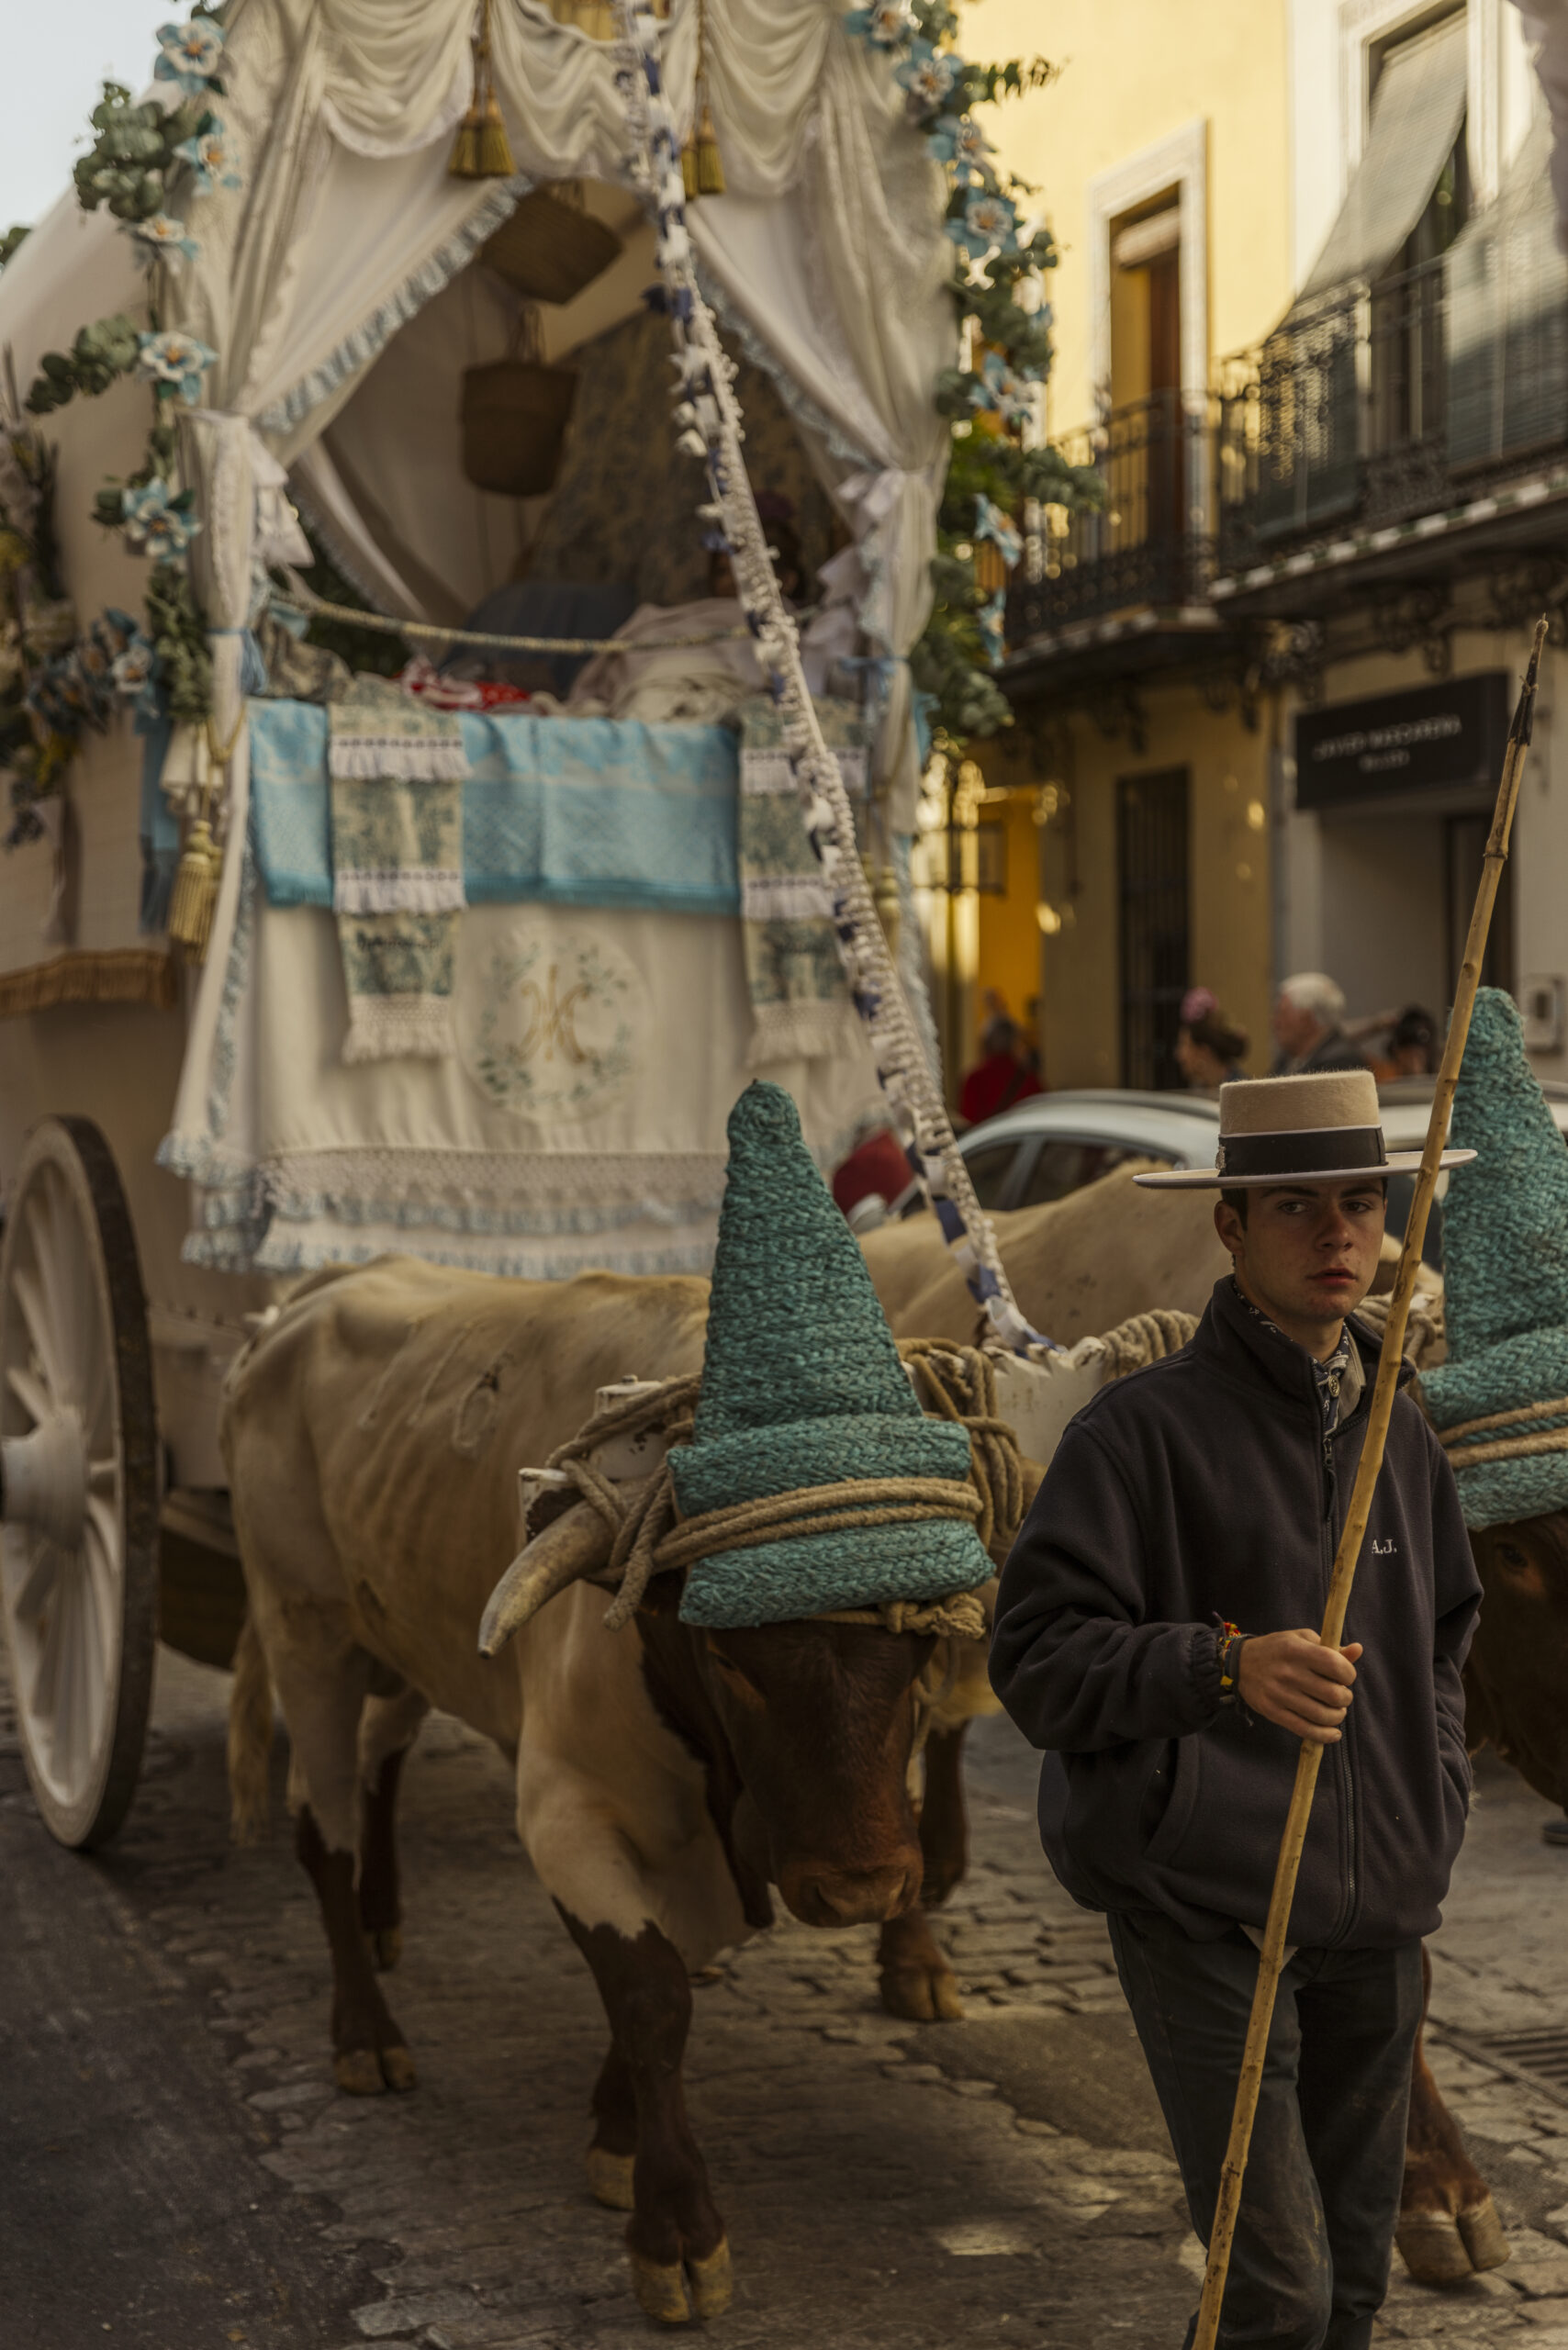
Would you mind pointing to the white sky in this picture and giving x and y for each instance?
(57, 53)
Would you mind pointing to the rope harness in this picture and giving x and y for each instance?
(648, 1536)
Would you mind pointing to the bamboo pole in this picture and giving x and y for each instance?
(1272, 1958)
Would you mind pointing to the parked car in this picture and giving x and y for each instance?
(1054, 1143)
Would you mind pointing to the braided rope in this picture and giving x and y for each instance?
(709, 416)
(1508, 1448)
(1462, 1430)
(1145, 1339)
(648, 1536)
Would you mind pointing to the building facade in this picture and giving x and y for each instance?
(1312, 332)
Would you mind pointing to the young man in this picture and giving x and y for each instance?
(1156, 1634)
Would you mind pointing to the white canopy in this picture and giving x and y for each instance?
(826, 256)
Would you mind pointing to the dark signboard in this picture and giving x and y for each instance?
(1433, 738)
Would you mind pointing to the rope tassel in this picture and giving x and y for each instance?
(700, 169)
(481, 150)
(196, 891)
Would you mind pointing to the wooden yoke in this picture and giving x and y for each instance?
(1271, 1961)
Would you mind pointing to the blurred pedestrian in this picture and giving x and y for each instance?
(1002, 1077)
(1413, 1044)
(1209, 1051)
(1308, 1024)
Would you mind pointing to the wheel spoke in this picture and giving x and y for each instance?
(42, 1220)
(29, 1391)
(39, 1579)
(40, 1330)
(44, 1693)
(103, 1521)
(102, 1474)
(104, 1594)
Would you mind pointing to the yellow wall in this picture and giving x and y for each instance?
(1009, 933)
(1134, 71)
(1228, 855)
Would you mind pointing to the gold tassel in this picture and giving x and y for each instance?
(196, 891)
(700, 167)
(481, 150)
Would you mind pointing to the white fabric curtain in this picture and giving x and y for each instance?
(1416, 111)
(827, 253)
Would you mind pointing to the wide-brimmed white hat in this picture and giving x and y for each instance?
(1321, 1128)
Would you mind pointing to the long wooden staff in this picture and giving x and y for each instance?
(1289, 1864)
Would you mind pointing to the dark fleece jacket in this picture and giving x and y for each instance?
(1201, 1487)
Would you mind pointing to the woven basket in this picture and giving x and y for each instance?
(514, 420)
(550, 250)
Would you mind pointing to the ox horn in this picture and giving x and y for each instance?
(572, 1547)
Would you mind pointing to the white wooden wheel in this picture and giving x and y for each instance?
(78, 1481)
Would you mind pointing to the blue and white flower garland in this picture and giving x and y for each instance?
(710, 419)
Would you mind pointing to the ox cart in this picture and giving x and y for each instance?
(327, 319)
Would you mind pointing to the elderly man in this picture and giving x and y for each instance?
(1309, 1012)
(1155, 1635)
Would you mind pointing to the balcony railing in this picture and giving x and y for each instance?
(1427, 391)
(1389, 402)
(1150, 544)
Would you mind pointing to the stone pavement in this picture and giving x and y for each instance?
(883, 2183)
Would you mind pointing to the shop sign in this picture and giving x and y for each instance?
(1433, 738)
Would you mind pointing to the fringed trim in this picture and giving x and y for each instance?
(395, 758)
(414, 889)
(800, 404)
(802, 1032)
(281, 1252)
(126, 975)
(369, 338)
(785, 897)
(398, 1027)
(766, 774)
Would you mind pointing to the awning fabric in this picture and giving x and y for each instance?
(1416, 111)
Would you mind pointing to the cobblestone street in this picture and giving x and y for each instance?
(1006, 2177)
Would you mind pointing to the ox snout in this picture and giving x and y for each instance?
(838, 1896)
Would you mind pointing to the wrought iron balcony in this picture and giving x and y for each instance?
(1424, 393)
(1150, 545)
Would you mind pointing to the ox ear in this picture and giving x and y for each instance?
(572, 1548)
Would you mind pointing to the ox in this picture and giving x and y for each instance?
(665, 1776)
(1515, 1682)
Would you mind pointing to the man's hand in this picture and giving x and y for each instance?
(1290, 1678)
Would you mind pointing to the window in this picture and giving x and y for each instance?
(989, 1168)
(1061, 1167)
(1153, 941)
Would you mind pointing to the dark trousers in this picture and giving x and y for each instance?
(1309, 2264)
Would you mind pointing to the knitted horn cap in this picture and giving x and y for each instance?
(802, 1386)
(1506, 1280)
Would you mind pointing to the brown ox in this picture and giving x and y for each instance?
(665, 1776)
(1515, 1690)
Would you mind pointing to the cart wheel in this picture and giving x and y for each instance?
(78, 1481)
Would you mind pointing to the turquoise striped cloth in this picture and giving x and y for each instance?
(585, 811)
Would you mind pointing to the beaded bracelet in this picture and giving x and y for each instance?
(1232, 1641)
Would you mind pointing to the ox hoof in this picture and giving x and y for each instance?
(921, 1993)
(610, 2179)
(398, 2068)
(386, 1947)
(358, 2071)
(1432, 2248)
(712, 2282)
(673, 2293)
(1484, 2239)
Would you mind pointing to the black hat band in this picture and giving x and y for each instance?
(1320, 1150)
